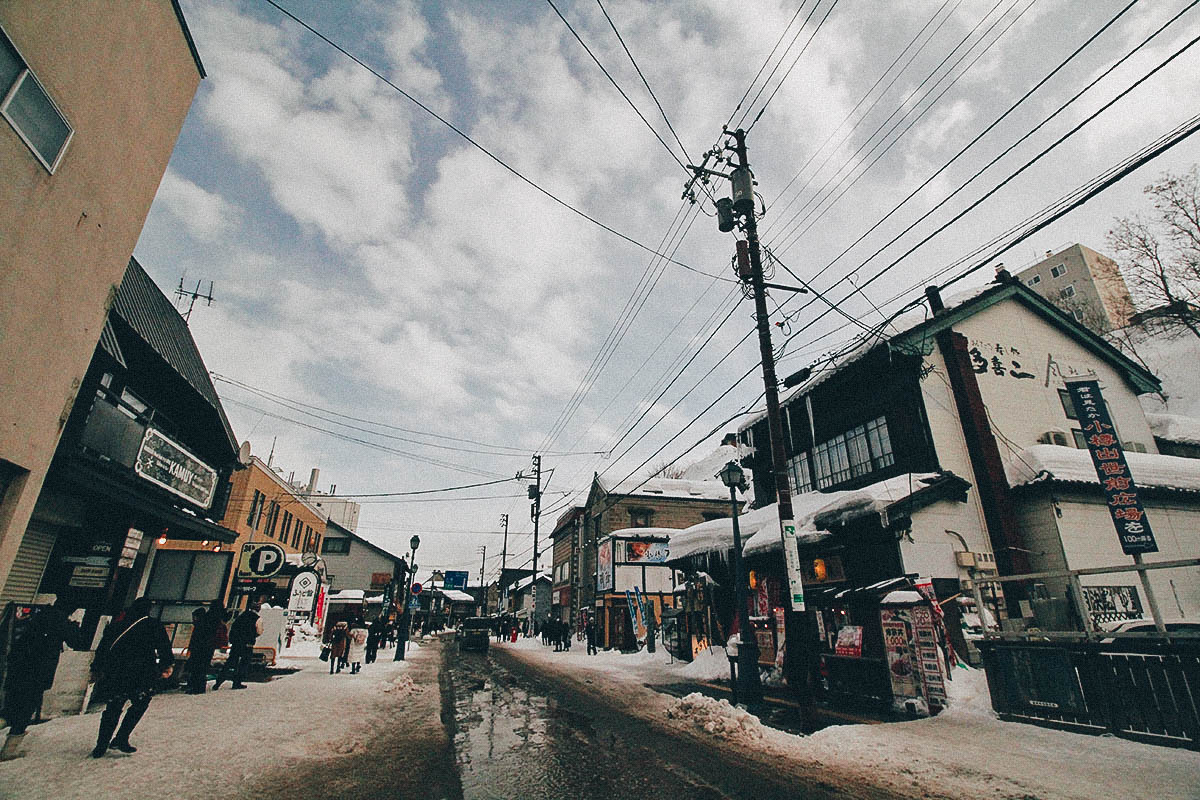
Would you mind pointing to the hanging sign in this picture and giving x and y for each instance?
(792, 555)
(164, 463)
(1108, 457)
(260, 560)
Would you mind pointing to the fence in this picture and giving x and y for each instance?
(1089, 687)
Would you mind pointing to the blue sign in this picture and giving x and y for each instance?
(1108, 457)
(455, 580)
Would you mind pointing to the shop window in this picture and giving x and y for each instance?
(187, 576)
(337, 546)
(28, 108)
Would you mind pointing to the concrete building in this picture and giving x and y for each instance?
(93, 95)
(1085, 284)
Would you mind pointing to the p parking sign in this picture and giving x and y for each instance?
(260, 560)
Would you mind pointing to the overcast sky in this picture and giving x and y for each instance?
(370, 262)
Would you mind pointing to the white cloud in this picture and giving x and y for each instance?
(206, 215)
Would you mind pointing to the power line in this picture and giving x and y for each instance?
(466, 137)
(778, 63)
(792, 66)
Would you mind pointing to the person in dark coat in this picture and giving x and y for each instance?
(243, 633)
(134, 653)
(201, 647)
(375, 633)
(339, 643)
(32, 663)
(589, 632)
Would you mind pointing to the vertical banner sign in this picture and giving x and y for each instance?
(792, 556)
(1108, 457)
(634, 616)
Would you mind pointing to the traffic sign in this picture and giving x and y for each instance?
(260, 560)
(416, 588)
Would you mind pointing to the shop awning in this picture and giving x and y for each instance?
(180, 524)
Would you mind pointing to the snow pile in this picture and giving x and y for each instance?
(1174, 428)
(967, 695)
(401, 685)
(1068, 465)
(717, 717)
(708, 665)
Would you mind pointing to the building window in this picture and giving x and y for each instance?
(1035, 280)
(316, 541)
(1058, 271)
(800, 474)
(1068, 291)
(1064, 397)
(859, 451)
(132, 406)
(272, 519)
(255, 509)
(639, 518)
(336, 546)
(29, 109)
(1080, 441)
(296, 536)
(287, 524)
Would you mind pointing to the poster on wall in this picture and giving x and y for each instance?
(604, 566)
(646, 552)
(928, 656)
(901, 660)
(849, 641)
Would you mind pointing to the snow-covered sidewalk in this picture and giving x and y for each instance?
(212, 745)
(963, 752)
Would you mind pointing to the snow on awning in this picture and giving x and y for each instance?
(1052, 463)
(456, 596)
(815, 514)
(347, 594)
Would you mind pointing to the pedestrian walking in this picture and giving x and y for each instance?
(201, 647)
(375, 633)
(556, 634)
(134, 654)
(32, 662)
(589, 633)
(338, 641)
(356, 645)
(244, 631)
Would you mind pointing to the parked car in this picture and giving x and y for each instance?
(475, 634)
(1178, 630)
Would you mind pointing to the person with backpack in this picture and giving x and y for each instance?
(32, 663)
(134, 654)
(243, 633)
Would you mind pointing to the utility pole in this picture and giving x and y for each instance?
(500, 585)
(482, 588)
(798, 642)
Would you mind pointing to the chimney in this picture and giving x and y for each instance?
(312, 481)
(1002, 275)
(1049, 254)
(935, 300)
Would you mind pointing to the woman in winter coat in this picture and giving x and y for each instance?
(338, 641)
(133, 655)
(356, 645)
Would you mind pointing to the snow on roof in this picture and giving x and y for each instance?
(1048, 462)
(1174, 428)
(814, 514)
(707, 467)
(455, 596)
(521, 584)
(903, 596)
(670, 487)
(642, 533)
(348, 594)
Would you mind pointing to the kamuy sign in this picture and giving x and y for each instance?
(166, 464)
(1108, 457)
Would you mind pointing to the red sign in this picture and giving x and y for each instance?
(416, 588)
(849, 641)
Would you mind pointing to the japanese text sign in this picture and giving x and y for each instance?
(1108, 457)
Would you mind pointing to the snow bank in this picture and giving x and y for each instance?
(717, 717)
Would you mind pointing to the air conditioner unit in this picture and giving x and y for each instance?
(1054, 437)
(965, 559)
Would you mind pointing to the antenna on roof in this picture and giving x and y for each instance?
(192, 296)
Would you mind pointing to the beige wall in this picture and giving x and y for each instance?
(124, 77)
(1100, 290)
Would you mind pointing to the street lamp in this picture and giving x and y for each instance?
(406, 623)
(748, 686)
